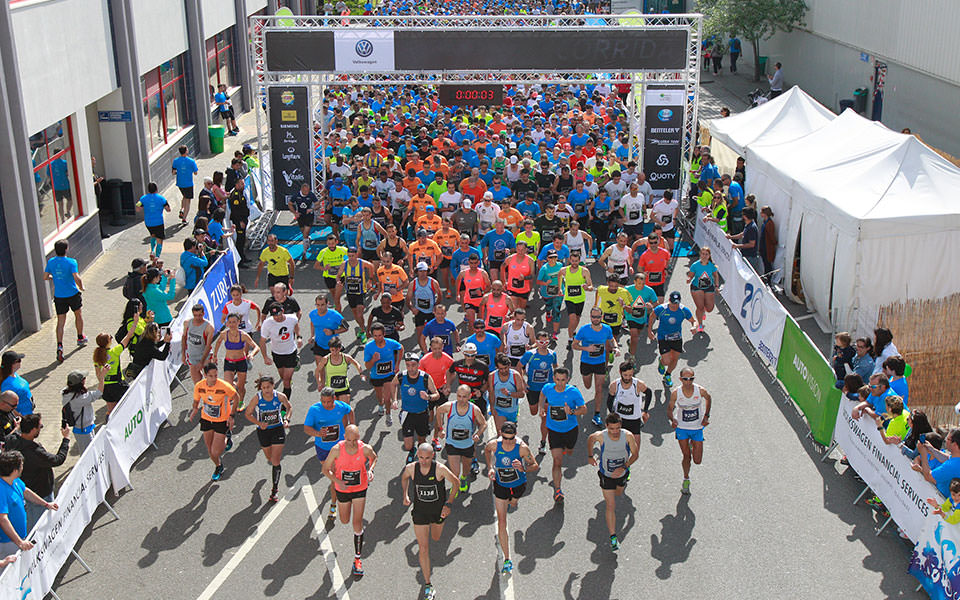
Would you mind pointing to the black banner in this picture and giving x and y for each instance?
(294, 50)
(663, 135)
(290, 141)
(470, 95)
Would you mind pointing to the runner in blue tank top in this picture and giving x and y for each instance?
(413, 391)
(271, 412)
(462, 423)
(508, 387)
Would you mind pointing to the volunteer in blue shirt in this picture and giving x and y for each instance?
(326, 421)
(736, 203)
(560, 405)
(193, 263)
(669, 334)
(595, 341)
(381, 355)
(184, 168)
(153, 204)
(67, 285)
(13, 494)
(539, 364)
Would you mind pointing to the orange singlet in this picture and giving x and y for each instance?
(475, 287)
(517, 275)
(351, 468)
(495, 313)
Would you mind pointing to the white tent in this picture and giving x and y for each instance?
(872, 210)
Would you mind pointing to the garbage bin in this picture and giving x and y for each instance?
(860, 100)
(846, 103)
(216, 138)
(112, 198)
(763, 64)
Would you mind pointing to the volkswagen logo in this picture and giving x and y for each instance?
(664, 115)
(364, 48)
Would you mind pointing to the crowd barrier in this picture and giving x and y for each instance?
(106, 463)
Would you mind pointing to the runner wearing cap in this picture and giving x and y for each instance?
(413, 391)
(423, 295)
(430, 222)
(618, 449)
(669, 334)
(508, 462)
(487, 213)
(488, 344)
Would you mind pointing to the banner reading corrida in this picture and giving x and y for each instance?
(809, 380)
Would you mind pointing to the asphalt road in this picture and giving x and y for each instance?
(766, 519)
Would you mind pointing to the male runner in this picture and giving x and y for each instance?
(618, 450)
(326, 421)
(279, 263)
(381, 355)
(595, 341)
(474, 373)
(463, 424)
(358, 279)
(283, 333)
(689, 413)
(198, 336)
(413, 391)
(330, 261)
(539, 364)
(508, 387)
(508, 462)
(561, 404)
(624, 399)
(669, 335)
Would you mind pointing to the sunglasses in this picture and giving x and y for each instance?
(687, 378)
(508, 437)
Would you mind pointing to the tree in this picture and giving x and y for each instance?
(755, 20)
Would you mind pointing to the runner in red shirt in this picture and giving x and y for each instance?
(436, 364)
(654, 263)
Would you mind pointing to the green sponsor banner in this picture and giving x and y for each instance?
(809, 380)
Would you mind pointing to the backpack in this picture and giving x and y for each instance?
(67, 416)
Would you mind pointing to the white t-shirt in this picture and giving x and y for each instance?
(632, 209)
(647, 192)
(341, 170)
(665, 211)
(280, 334)
(628, 177)
(383, 188)
(449, 202)
(487, 215)
(399, 198)
(615, 190)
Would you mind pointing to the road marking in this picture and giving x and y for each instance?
(506, 581)
(245, 549)
(326, 547)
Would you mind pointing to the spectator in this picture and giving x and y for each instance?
(13, 514)
(768, 237)
(157, 299)
(863, 361)
(9, 418)
(193, 264)
(876, 402)
(78, 400)
(750, 237)
(38, 464)
(133, 284)
(843, 355)
(883, 348)
(942, 475)
(896, 426)
(918, 427)
(776, 82)
(894, 368)
(949, 509)
(10, 363)
(850, 386)
(152, 345)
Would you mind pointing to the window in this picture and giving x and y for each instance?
(164, 102)
(54, 172)
(220, 61)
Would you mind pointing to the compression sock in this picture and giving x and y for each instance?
(153, 246)
(276, 477)
(358, 543)
(159, 248)
(287, 391)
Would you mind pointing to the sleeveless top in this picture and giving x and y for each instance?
(573, 285)
(233, 345)
(689, 410)
(268, 411)
(507, 475)
(429, 491)
(351, 468)
(474, 287)
(423, 296)
(617, 261)
(518, 276)
(516, 340)
(576, 244)
(196, 341)
(354, 277)
(335, 375)
(410, 400)
(504, 403)
(627, 402)
(496, 312)
(613, 453)
(395, 251)
(369, 239)
(460, 428)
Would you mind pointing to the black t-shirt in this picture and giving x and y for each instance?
(389, 319)
(290, 306)
(304, 203)
(472, 375)
(520, 188)
(548, 228)
(239, 211)
(566, 183)
(750, 233)
(359, 150)
(544, 180)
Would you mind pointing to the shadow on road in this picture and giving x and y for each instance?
(676, 538)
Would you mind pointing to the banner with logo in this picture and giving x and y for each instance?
(809, 380)
(56, 533)
(935, 561)
(363, 50)
(885, 469)
(662, 135)
(135, 421)
(291, 137)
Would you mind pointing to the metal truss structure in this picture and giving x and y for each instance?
(688, 76)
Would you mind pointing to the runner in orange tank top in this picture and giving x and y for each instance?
(472, 283)
(519, 271)
(496, 307)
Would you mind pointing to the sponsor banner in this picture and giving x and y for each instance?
(363, 50)
(290, 140)
(136, 419)
(935, 561)
(809, 380)
(663, 136)
(32, 576)
(886, 470)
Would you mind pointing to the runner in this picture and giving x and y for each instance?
(425, 250)
(579, 242)
(152, 205)
(495, 308)
(472, 284)
(561, 404)
(463, 424)
(280, 295)
(430, 505)
(381, 356)
(324, 325)
(350, 467)
(330, 261)
(220, 401)
(496, 245)
(184, 168)
(447, 239)
(440, 327)
(239, 347)
(703, 280)
(487, 344)
(618, 450)
(614, 300)
(508, 462)
(530, 236)
(423, 295)
(576, 282)
(333, 370)
(248, 310)
(519, 270)
(413, 392)
(689, 413)
(304, 207)
(357, 279)
(279, 262)
(326, 421)
(518, 336)
(67, 287)
(387, 315)
(195, 345)
(624, 400)
(283, 333)
(391, 279)
(369, 234)
(436, 364)
(644, 299)
(669, 334)
(549, 281)
(617, 259)
(664, 214)
(595, 341)
(631, 206)
(475, 374)
(508, 387)
(654, 262)
(271, 414)
(539, 364)
(395, 245)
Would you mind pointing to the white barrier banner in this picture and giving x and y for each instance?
(753, 304)
(885, 469)
(55, 535)
(135, 421)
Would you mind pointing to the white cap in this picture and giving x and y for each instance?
(469, 348)
(488, 195)
(513, 144)
(467, 204)
(514, 160)
(422, 266)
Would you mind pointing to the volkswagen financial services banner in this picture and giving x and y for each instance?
(290, 141)
(662, 135)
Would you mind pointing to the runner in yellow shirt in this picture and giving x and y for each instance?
(280, 265)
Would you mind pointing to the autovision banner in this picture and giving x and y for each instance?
(809, 380)
(291, 138)
(663, 135)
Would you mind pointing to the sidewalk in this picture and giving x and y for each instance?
(727, 89)
(103, 300)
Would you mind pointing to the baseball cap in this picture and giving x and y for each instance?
(421, 233)
(422, 266)
(479, 323)
(415, 356)
(509, 427)
(467, 204)
(276, 309)
(420, 186)
(430, 207)
(513, 144)
(247, 147)
(76, 377)
(137, 263)
(10, 357)
(551, 253)
(488, 195)
(674, 296)
(470, 348)
(199, 231)
(514, 160)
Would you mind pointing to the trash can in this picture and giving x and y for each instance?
(112, 198)
(763, 64)
(216, 138)
(846, 103)
(860, 100)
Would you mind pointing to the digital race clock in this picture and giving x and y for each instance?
(470, 95)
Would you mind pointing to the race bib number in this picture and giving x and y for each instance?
(705, 281)
(596, 353)
(499, 254)
(667, 219)
(579, 208)
(270, 417)
(557, 413)
(507, 474)
(495, 321)
(672, 336)
(624, 409)
(603, 214)
(423, 303)
(517, 282)
(619, 269)
(633, 215)
(517, 351)
(531, 250)
(553, 290)
(475, 293)
(330, 433)
(504, 402)
(690, 415)
(655, 278)
(446, 251)
(390, 288)
(427, 493)
(354, 287)
(338, 382)
(615, 463)
(539, 376)
(639, 312)
(384, 368)
(459, 435)
(610, 318)
(574, 290)
(370, 243)
(212, 410)
(350, 477)
(333, 270)
(547, 237)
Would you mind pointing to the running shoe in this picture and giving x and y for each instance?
(507, 566)
(182, 220)
(700, 328)
(542, 449)
(667, 379)
(411, 456)
(229, 443)
(274, 495)
(240, 405)
(464, 484)
(554, 337)
(429, 593)
(332, 513)
(596, 421)
(60, 353)
(357, 568)
(217, 473)
(437, 446)
(380, 409)
(660, 368)
(474, 467)
(389, 421)
(82, 340)
(685, 488)
(614, 543)
(558, 495)
(628, 358)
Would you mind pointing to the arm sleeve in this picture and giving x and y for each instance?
(647, 397)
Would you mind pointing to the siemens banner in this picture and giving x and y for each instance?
(663, 135)
(290, 141)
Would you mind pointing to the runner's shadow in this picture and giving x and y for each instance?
(237, 529)
(539, 539)
(696, 350)
(676, 538)
(658, 427)
(388, 526)
(437, 559)
(478, 512)
(178, 526)
(302, 549)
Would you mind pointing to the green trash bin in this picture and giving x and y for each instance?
(763, 64)
(216, 138)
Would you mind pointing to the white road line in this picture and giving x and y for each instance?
(506, 581)
(244, 549)
(329, 556)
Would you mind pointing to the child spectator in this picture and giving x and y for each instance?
(949, 509)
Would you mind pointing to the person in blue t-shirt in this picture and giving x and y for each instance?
(942, 475)
(669, 336)
(894, 367)
(67, 285)
(440, 327)
(326, 421)
(496, 245)
(461, 256)
(225, 110)
(381, 355)
(13, 494)
(193, 263)
(539, 364)
(325, 323)
(560, 405)
(184, 168)
(487, 343)
(153, 204)
(596, 342)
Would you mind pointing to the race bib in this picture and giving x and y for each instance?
(539, 376)
(615, 463)
(332, 270)
(690, 414)
(579, 208)
(557, 413)
(390, 288)
(370, 243)
(212, 410)
(531, 250)
(499, 255)
(596, 353)
(427, 493)
(602, 214)
(655, 278)
(547, 237)
(504, 402)
(610, 318)
(330, 433)
(624, 409)
(354, 287)
(667, 219)
(619, 269)
(495, 321)
(517, 351)
(705, 281)
(517, 282)
(553, 290)
(270, 417)
(639, 312)
(574, 290)
(672, 336)
(423, 303)
(384, 368)
(446, 251)
(633, 215)
(459, 435)
(338, 382)
(507, 474)
(475, 293)
(350, 477)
